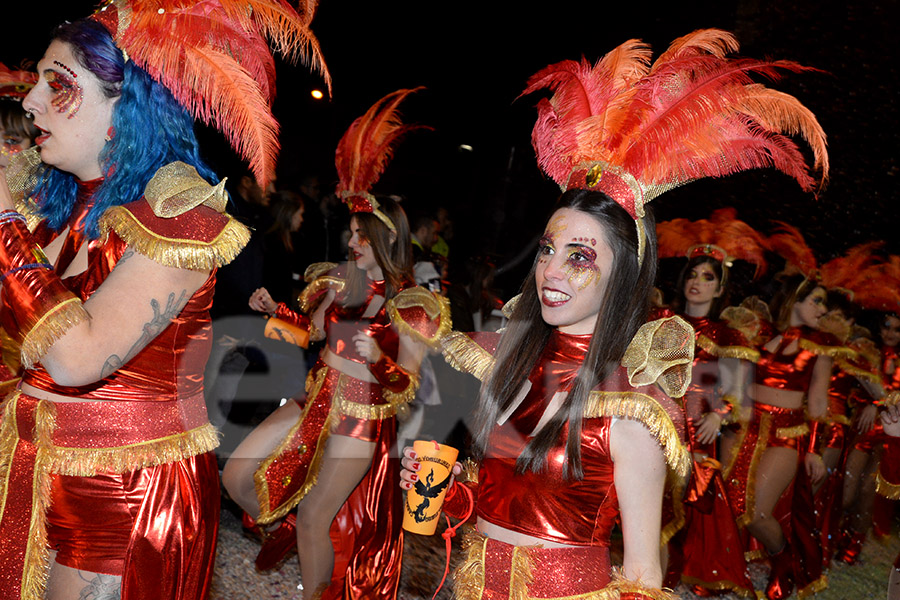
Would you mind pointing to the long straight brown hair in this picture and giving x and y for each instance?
(394, 257)
(623, 310)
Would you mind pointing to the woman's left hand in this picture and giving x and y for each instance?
(367, 347)
(867, 418)
(708, 428)
(815, 467)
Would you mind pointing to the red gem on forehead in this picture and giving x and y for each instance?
(593, 241)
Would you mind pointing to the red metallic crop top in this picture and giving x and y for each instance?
(546, 505)
(793, 372)
(343, 322)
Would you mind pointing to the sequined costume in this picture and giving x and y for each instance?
(123, 481)
(846, 397)
(707, 551)
(546, 505)
(368, 550)
(776, 427)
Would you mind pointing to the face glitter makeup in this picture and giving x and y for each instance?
(581, 264)
(67, 94)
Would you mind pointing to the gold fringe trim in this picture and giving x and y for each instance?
(313, 386)
(841, 419)
(814, 588)
(522, 574)
(87, 462)
(37, 556)
(405, 396)
(752, 555)
(434, 306)
(8, 439)
(643, 408)
(677, 522)
(468, 579)
(464, 354)
(792, 432)
(885, 488)
(854, 371)
(304, 301)
(830, 351)
(180, 253)
(765, 424)
(50, 327)
(508, 308)
(741, 352)
(620, 585)
(721, 586)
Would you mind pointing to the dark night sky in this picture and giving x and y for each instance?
(474, 62)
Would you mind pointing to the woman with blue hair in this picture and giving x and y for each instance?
(110, 235)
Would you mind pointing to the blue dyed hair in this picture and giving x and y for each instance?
(151, 130)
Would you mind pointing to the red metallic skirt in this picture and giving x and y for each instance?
(770, 427)
(123, 488)
(366, 533)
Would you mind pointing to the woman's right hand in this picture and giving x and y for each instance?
(409, 474)
(261, 301)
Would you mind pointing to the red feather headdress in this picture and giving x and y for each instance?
(878, 286)
(214, 56)
(634, 130)
(15, 84)
(788, 243)
(723, 236)
(366, 149)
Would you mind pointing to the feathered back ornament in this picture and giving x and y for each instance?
(214, 57)
(15, 84)
(723, 236)
(788, 243)
(634, 130)
(366, 149)
(852, 271)
(880, 289)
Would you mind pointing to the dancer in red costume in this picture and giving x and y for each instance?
(327, 454)
(880, 292)
(794, 370)
(889, 477)
(575, 424)
(110, 234)
(707, 552)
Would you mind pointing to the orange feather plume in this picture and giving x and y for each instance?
(634, 130)
(368, 145)
(214, 57)
(788, 243)
(723, 229)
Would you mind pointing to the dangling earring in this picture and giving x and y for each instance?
(110, 133)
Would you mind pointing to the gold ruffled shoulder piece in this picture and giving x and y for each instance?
(318, 281)
(22, 175)
(743, 320)
(465, 354)
(181, 245)
(741, 352)
(830, 351)
(661, 352)
(421, 314)
(646, 409)
(177, 188)
(510, 306)
(316, 270)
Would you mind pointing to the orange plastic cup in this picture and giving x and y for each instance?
(425, 498)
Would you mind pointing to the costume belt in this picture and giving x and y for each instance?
(39, 437)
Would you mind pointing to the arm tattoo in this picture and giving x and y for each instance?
(100, 587)
(151, 329)
(128, 253)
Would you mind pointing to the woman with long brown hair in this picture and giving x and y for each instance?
(327, 453)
